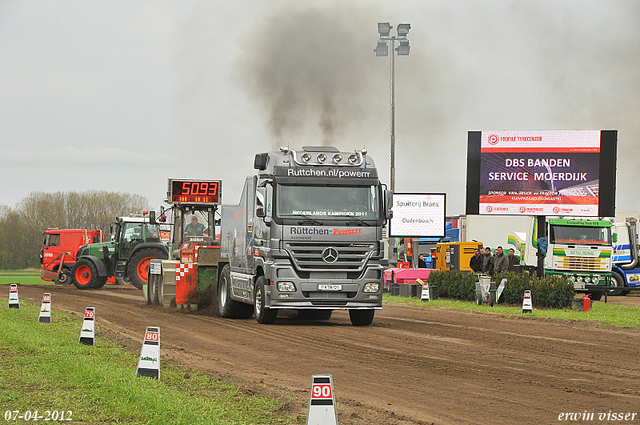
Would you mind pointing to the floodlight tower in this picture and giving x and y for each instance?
(382, 49)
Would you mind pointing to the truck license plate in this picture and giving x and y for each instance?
(329, 287)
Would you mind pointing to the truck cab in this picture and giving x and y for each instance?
(59, 250)
(306, 235)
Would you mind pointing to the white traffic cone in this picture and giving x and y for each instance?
(527, 307)
(87, 334)
(13, 296)
(322, 410)
(149, 363)
(45, 309)
(424, 295)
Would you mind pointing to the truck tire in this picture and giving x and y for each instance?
(617, 284)
(152, 288)
(65, 277)
(228, 308)
(315, 314)
(264, 314)
(596, 296)
(85, 275)
(138, 267)
(361, 317)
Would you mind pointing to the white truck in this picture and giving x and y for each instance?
(579, 249)
(626, 264)
(306, 235)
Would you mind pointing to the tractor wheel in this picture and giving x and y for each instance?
(228, 307)
(139, 265)
(264, 315)
(361, 317)
(617, 284)
(85, 275)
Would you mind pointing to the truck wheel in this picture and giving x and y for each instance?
(617, 284)
(152, 284)
(139, 265)
(228, 308)
(596, 296)
(64, 278)
(361, 317)
(264, 315)
(85, 275)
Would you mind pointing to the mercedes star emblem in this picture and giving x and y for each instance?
(330, 255)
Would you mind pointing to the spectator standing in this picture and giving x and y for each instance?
(513, 260)
(487, 262)
(476, 261)
(421, 263)
(500, 261)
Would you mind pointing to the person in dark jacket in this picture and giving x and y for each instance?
(500, 261)
(487, 262)
(476, 261)
(513, 260)
(421, 263)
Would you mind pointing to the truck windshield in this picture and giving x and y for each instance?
(326, 202)
(580, 235)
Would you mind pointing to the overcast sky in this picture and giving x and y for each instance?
(122, 95)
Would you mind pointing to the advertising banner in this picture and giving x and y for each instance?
(418, 215)
(540, 173)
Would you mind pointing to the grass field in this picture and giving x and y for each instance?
(24, 277)
(45, 369)
(616, 315)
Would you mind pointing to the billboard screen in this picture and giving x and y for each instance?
(418, 215)
(563, 173)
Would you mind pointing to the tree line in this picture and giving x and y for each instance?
(22, 226)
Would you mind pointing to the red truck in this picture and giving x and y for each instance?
(60, 246)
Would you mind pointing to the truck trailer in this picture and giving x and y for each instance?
(306, 235)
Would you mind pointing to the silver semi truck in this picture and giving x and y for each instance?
(306, 235)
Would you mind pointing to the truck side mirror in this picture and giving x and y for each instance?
(388, 203)
(261, 195)
(152, 217)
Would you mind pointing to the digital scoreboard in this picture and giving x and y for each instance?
(556, 173)
(199, 192)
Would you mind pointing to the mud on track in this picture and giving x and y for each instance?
(411, 366)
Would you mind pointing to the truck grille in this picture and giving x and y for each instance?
(582, 263)
(307, 256)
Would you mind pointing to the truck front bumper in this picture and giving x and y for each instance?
(324, 291)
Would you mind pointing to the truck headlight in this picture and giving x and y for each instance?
(587, 279)
(579, 279)
(372, 287)
(286, 287)
(572, 278)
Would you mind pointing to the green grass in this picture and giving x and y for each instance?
(606, 313)
(45, 368)
(24, 277)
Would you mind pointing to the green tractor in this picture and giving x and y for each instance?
(134, 242)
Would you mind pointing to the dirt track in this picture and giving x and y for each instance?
(412, 366)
